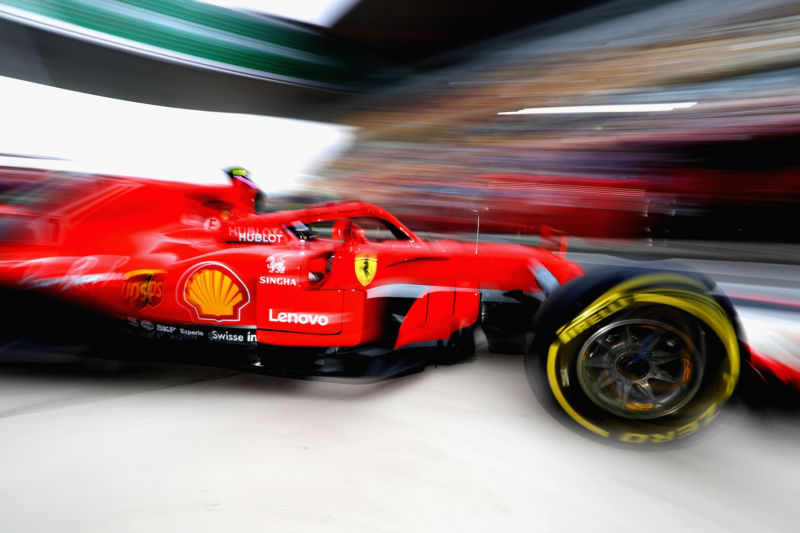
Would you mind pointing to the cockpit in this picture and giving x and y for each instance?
(359, 229)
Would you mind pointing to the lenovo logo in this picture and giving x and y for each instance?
(298, 318)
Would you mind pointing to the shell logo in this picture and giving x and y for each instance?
(215, 292)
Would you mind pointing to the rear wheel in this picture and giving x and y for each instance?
(638, 357)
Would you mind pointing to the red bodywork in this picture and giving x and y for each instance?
(192, 261)
(197, 266)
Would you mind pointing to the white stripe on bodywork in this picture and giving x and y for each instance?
(409, 290)
(405, 290)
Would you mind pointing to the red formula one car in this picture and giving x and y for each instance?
(137, 268)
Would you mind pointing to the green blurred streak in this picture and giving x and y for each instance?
(206, 32)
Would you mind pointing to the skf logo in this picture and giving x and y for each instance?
(141, 288)
(366, 267)
(214, 292)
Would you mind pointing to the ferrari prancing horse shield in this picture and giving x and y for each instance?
(366, 266)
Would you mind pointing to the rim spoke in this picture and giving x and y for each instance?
(609, 343)
(660, 375)
(649, 343)
(605, 382)
(647, 392)
(624, 388)
(603, 361)
(660, 357)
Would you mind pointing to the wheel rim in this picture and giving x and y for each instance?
(640, 368)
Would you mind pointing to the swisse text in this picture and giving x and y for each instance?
(227, 336)
(254, 235)
(298, 318)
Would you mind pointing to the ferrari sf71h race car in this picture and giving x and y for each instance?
(195, 273)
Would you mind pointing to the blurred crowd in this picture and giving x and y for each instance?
(436, 148)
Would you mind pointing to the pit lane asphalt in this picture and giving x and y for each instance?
(105, 446)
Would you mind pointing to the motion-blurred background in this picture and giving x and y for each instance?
(646, 128)
(651, 120)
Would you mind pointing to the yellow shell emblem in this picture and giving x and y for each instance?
(366, 267)
(215, 293)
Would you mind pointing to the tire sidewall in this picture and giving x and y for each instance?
(559, 332)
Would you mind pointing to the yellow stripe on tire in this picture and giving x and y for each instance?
(623, 295)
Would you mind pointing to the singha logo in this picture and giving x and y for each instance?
(276, 265)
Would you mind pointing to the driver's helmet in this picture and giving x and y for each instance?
(250, 196)
(240, 175)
